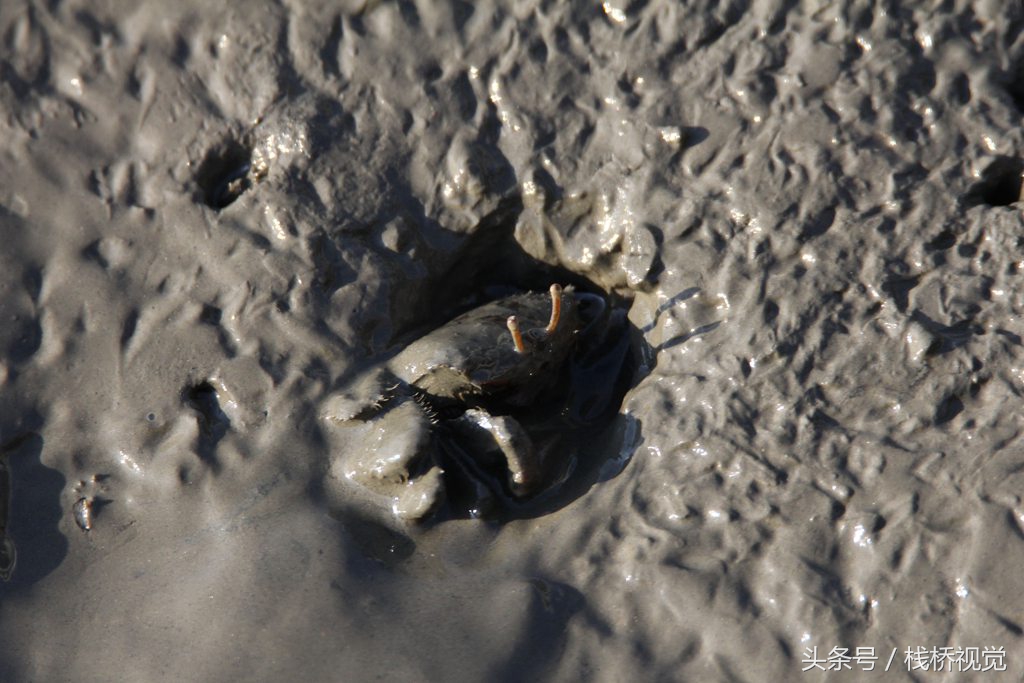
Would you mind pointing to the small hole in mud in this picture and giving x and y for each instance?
(1014, 80)
(1000, 183)
(944, 240)
(213, 422)
(225, 174)
(204, 400)
(948, 409)
(210, 315)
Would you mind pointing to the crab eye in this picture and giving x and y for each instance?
(556, 308)
(517, 335)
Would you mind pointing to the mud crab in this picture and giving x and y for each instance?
(459, 403)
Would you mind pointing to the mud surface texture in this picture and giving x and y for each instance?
(217, 220)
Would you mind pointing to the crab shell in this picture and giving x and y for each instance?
(473, 357)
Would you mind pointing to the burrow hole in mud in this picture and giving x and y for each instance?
(943, 241)
(575, 422)
(1000, 183)
(203, 398)
(225, 173)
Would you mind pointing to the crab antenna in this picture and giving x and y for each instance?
(556, 308)
(517, 336)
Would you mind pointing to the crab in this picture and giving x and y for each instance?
(449, 401)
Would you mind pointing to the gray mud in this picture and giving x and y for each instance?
(216, 221)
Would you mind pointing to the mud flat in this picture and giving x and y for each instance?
(218, 224)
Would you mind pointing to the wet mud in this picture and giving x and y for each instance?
(793, 428)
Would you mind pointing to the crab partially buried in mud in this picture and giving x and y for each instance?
(458, 406)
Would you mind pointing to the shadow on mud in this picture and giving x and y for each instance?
(29, 514)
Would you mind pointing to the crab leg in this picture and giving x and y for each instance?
(517, 336)
(556, 308)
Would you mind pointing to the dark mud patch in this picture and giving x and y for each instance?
(30, 514)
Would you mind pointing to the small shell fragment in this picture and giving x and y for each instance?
(83, 513)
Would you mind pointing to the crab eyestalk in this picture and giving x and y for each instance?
(517, 336)
(556, 308)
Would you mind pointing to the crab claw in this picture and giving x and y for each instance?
(556, 308)
(517, 336)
